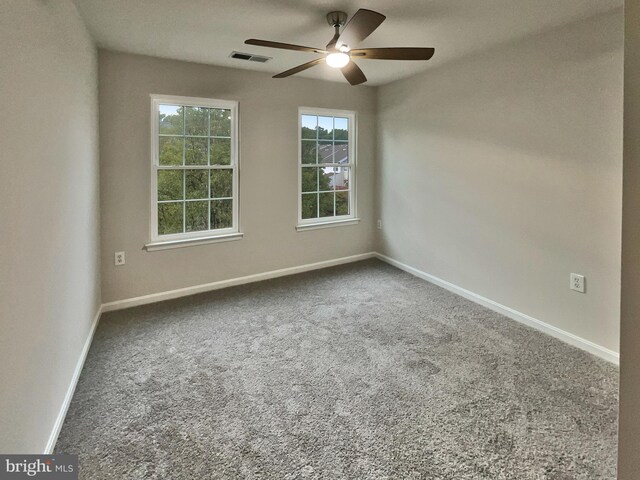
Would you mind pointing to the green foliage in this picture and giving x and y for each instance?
(315, 181)
(195, 152)
(169, 218)
(187, 138)
(194, 127)
(325, 201)
(308, 150)
(171, 123)
(220, 122)
(221, 183)
(220, 151)
(309, 179)
(221, 214)
(341, 135)
(170, 150)
(310, 205)
(170, 185)
(309, 133)
(196, 216)
(194, 121)
(196, 184)
(342, 203)
(324, 134)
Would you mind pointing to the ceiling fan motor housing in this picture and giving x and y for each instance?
(336, 19)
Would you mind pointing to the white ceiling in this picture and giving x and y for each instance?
(206, 31)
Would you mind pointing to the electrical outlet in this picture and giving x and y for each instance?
(119, 258)
(576, 282)
(379, 224)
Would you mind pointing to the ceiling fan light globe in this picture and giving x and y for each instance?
(337, 59)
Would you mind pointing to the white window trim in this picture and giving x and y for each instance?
(342, 220)
(333, 223)
(161, 242)
(191, 242)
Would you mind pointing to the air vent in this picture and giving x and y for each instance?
(250, 57)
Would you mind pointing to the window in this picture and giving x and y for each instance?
(327, 167)
(194, 169)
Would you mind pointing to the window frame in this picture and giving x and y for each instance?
(351, 218)
(202, 236)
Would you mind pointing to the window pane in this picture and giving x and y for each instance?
(325, 152)
(342, 203)
(309, 125)
(196, 184)
(196, 121)
(220, 151)
(170, 218)
(221, 214)
(170, 185)
(220, 122)
(341, 128)
(197, 198)
(308, 149)
(196, 216)
(325, 166)
(170, 119)
(325, 128)
(310, 205)
(170, 150)
(341, 152)
(325, 182)
(221, 183)
(326, 204)
(195, 151)
(309, 179)
(340, 179)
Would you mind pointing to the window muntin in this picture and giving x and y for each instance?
(194, 168)
(326, 165)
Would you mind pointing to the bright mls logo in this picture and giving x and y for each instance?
(52, 467)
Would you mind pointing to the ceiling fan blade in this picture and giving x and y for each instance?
(299, 68)
(284, 46)
(353, 74)
(361, 25)
(394, 53)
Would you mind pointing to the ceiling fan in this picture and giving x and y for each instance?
(339, 52)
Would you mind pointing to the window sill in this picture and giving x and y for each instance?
(191, 242)
(336, 223)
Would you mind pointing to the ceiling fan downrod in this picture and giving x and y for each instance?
(336, 20)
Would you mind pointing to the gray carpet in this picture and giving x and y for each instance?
(355, 372)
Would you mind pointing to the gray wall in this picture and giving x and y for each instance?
(268, 174)
(49, 274)
(501, 173)
(629, 440)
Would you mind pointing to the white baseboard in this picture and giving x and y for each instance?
(570, 338)
(53, 438)
(207, 287)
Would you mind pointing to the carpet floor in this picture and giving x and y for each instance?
(355, 372)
